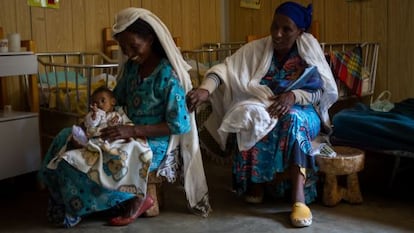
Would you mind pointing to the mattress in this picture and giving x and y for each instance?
(362, 127)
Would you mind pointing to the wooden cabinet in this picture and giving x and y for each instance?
(19, 143)
(19, 131)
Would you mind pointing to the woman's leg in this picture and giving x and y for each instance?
(286, 145)
(301, 215)
(304, 126)
(298, 184)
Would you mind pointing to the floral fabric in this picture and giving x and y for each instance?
(289, 141)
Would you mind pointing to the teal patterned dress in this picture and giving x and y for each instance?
(158, 98)
(155, 99)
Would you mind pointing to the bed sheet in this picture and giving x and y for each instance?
(362, 127)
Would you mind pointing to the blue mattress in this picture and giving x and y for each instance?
(362, 127)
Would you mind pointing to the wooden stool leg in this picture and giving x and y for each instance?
(353, 193)
(160, 195)
(152, 191)
(332, 193)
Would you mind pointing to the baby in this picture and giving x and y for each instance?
(102, 114)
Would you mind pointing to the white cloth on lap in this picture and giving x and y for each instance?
(241, 74)
(250, 120)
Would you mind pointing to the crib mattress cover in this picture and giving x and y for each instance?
(362, 127)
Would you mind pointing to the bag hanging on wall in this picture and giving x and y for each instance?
(383, 102)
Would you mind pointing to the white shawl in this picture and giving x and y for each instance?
(195, 184)
(241, 74)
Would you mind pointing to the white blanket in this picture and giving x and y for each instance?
(249, 120)
(241, 74)
(117, 165)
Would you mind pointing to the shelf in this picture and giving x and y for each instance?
(15, 115)
(17, 63)
(16, 53)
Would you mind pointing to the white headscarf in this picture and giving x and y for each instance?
(195, 184)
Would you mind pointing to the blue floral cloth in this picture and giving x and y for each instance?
(289, 141)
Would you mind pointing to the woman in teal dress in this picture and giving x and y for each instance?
(151, 88)
(274, 124)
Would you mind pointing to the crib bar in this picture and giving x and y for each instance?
(210, 54)
(66, 81)
(67, 78)
(89, 86)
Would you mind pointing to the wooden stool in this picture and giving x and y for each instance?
(154, 189)
(348, 161)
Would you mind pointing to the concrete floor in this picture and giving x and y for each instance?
(23, 210)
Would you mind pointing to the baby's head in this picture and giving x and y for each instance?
(104, 99)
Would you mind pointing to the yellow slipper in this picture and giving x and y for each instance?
(301, 215)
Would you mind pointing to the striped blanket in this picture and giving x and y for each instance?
(347, 66)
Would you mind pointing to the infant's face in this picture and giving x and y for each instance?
(104, 101)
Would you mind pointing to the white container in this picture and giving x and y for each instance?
(14, 42)
(4, 45)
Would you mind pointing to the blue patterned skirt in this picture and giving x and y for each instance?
(288, 143)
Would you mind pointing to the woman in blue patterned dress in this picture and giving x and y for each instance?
(274, 118)
(151, 88)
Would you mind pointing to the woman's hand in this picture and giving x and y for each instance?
(114, 120)
(196, 97)
(281, 104)
(118, 132)
(135, 131)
